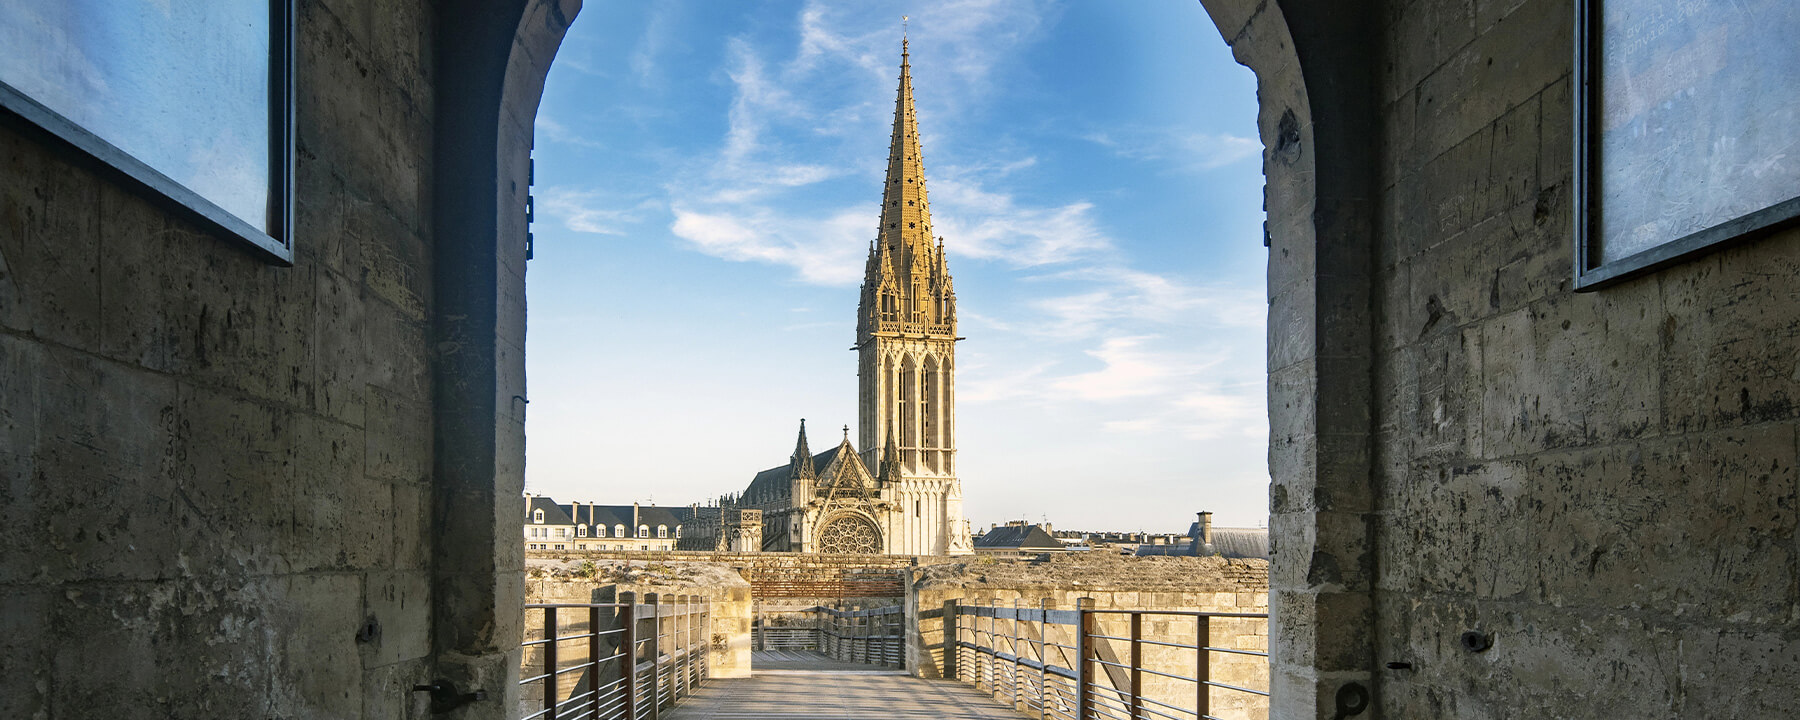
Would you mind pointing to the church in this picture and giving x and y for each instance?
(900, 494)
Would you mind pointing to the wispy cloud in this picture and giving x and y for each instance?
(823, 251)
(556, 132)
(587, 211)
(1182, 149)
(1107, 296)
(994, 225)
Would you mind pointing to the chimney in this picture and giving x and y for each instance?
(634, 518)
(1205, 528)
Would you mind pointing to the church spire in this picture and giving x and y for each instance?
(803, 459)
(905, 207)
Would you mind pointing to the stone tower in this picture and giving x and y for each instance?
(906, 347)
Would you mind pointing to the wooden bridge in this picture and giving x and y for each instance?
(804, 685)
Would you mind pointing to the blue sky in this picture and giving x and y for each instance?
(709, 180)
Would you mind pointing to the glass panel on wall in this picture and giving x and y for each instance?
(182, 87)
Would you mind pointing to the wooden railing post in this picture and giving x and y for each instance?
(550, 692)
(1203, 666)
(1137, 665)
(628, 651)
(1084, 673)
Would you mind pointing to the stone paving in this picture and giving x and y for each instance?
(831, 690)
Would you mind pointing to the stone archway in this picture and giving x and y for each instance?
(1317, 122)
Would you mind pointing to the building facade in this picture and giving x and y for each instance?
(911, 502)
(589, 526)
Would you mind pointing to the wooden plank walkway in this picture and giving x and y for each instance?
(865, 692)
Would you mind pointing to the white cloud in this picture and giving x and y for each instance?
(1182, 149)
(554, 131)
(993, 225)
(823, 251)
(1108, 296)
(586, 211)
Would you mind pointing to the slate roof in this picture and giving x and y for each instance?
(1018, 537)
(554, 514)
(609, 515)
(774, 480)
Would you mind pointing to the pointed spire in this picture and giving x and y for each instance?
(802, 462)
(907, 255)
(890, 459)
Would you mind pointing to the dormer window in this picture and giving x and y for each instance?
(599, 531)
(677, 531)
(662, 531)
(580, 531)
(643, 531)
(537, 516)
(619, 530)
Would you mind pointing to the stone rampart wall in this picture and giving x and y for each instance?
(786, 576)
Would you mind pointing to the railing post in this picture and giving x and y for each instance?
(1084, 673)
(1137, 665)
(1043, 658)
(1203, 667)
(654, 600)
(1012, 643)
(953, 639)
(550, 692)
(593, 671)
(628, 651)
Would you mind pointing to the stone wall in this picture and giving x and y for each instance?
(813, 577)
(220, 470)
(1604, 482)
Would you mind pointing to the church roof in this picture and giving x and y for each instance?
(1018, 537)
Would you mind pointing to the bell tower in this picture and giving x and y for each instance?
(906, 347)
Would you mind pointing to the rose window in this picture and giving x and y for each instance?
(849, 535)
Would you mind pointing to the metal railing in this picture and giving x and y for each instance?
(612, 661)
(1088, 664)
(875, 636)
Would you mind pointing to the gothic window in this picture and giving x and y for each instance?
(927, 402)
(849, 534)
(918, 508)
(909, 403)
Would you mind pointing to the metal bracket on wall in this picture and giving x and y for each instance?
(445, 697)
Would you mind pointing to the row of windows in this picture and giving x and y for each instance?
(546, 546)
(662, 531)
